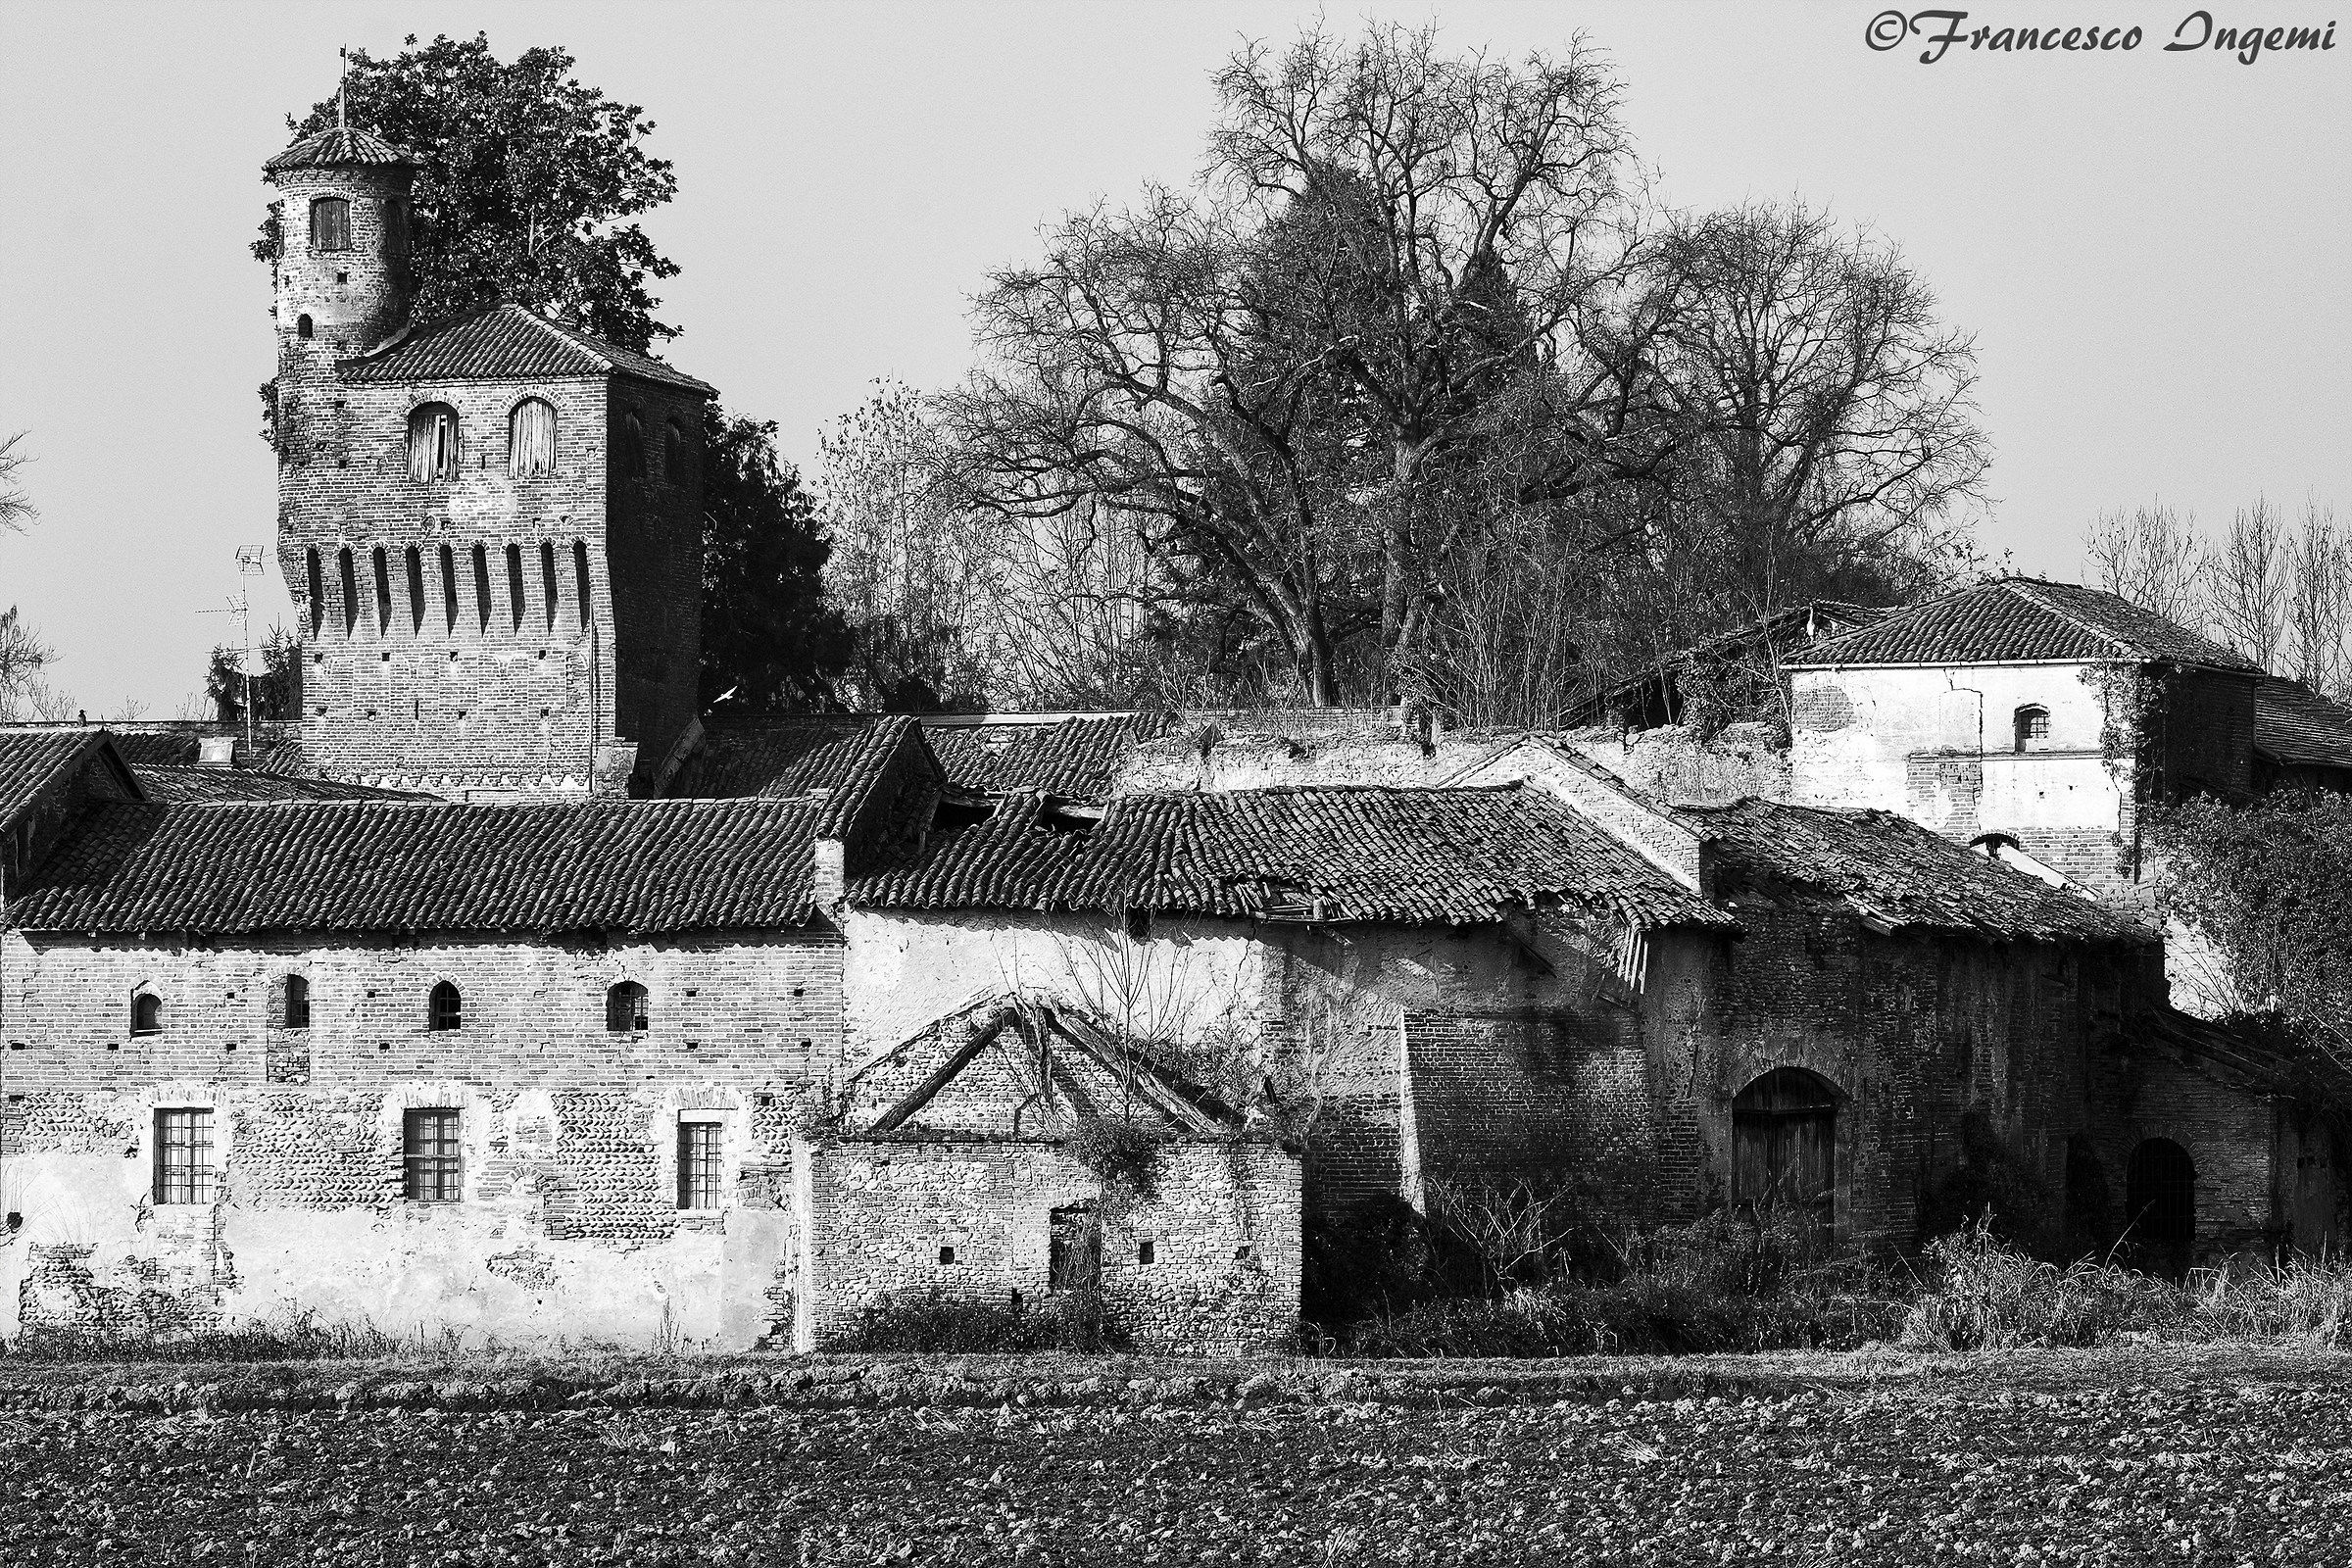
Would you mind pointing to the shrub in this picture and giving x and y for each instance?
(1991, 1294)
(1121, 1153)
(926, 1321)
(1648, 1316)
(297, 1337)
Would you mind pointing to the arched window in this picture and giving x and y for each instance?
(2032, 725)
(302, 326)
(384, 593)
(146, 1013)
(433, 442)
(531, 439)
(1785, 1145)
(678, 457)
(633, 446)
(351, 590)
(579, 571)
(514, 583)
(297, 1013)
(449, 588)
(625, 1009)
(481, 586)
(547, 579)
(331, 225)
(317, 583)
(444, 1010)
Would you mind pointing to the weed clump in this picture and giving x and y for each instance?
(927, 1321)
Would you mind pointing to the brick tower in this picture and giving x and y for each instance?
(490, 524)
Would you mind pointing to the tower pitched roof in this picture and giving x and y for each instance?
(337, 147)
(508, 342)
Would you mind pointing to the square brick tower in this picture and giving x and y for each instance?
(490, 525)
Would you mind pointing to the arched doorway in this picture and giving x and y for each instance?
(1785, 1145)
(2161, 1202)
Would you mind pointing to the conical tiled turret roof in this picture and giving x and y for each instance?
(337, 146)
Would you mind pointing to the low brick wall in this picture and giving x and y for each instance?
(972, 1219)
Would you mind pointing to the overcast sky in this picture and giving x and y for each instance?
(2150, 247)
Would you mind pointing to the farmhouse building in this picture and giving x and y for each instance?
(505, 993)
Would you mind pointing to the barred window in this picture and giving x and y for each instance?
(625, 1009)
(2033, 724)
(184, 1157)
(531, 439)
(432, 1164)
(444, 1010)
(331, 225)
(698, 1164)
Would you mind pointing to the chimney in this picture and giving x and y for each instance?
(217, 751)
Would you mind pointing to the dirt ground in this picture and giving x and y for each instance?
(2233, 1456)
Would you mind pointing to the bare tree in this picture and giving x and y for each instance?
(2249, 583)
(911, 568)
(2318, 606)
(1399, 297)
(1827, 415)
(16, 507)
(2150, 555)
(23, 692)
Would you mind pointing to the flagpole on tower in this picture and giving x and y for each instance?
(342, 86)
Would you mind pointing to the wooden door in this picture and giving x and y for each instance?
(1785, 1145)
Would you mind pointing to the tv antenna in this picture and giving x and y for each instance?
(251, 562)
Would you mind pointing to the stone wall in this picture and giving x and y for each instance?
(1676, 766)
(569, 1223)
(972, 1220)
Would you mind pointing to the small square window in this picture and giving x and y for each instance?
(947, 1254)
(1147, 1252)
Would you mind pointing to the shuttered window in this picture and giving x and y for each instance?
(330, 224)
(433, 443)
(531, 439)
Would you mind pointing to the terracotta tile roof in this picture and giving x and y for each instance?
(2019, 620)
(1341, 853)
(31, 758)
(1897, 874)
(336, 147)
(175, 784)
(380, 865)
(775, 756)
(1077, 757)
(508, 343)
(2295, 726)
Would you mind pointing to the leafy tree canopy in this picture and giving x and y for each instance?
(527, 179)
(770, 642)
(2270, 887)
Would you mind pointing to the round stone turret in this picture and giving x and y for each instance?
(343, 244)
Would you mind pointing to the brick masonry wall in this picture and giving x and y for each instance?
(568, 1222)
(1225, 1235)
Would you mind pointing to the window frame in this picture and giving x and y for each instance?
(531, 463)
(294, 1005)
(640, 1014)
(2028, 724)
(337, 208)
(444, 1008)
(701, 1164)
(183, 1174)
(444, 459)
(146, 1013)
(432, 1155)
